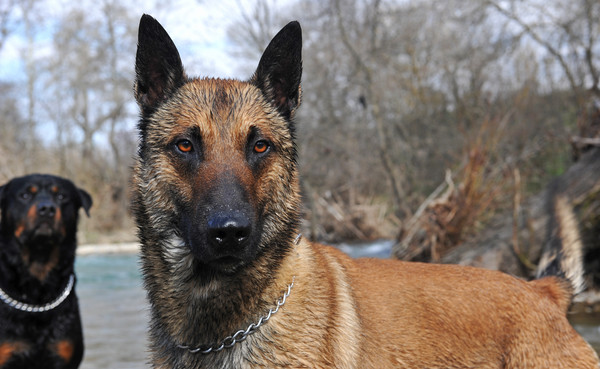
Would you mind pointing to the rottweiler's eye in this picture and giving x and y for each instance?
(261, 146)
(184, 146)
(61, 197)
(25, 195)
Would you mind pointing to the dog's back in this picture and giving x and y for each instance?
(415, 315)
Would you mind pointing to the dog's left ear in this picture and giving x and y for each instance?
(86, 201)
(280, 70)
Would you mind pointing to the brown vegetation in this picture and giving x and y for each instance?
(400, 98)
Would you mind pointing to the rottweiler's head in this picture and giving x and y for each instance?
(39, 215)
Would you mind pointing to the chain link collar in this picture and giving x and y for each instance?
(242, 334)
(38, 308)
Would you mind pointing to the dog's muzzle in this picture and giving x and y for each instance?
(45, 219)
(222, 239)
(221, 229)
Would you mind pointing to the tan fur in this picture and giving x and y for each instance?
(8, 349)
(341, 312)
(370, 313)
(64, 349)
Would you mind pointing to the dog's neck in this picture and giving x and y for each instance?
(33, 308)
(242, 334)
(223, 304)
(34, 279)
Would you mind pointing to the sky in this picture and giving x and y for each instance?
(198, 28)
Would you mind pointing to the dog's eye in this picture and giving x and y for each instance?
(25, 195)
(61, 197)
(261, 146)
(185, 146)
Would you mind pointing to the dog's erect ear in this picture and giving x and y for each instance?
(86, 201)
(158, 66)
(280, 70)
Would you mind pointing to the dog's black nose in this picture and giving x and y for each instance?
(46, 209)
(228, 229)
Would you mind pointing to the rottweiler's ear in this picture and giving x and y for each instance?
(158, 66)
(280, 70)
(86, 201)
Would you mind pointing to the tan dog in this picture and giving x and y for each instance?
(232, 285)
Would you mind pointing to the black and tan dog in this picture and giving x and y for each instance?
(40, 325)
(232, 285)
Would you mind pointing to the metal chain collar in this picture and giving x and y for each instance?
(38, 308)
(242, 334)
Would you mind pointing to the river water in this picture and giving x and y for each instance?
(115, 313)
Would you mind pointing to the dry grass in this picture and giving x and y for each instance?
(464, 202)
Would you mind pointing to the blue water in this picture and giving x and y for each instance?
(115, 313)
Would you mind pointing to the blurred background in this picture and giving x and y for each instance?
(395, 94)
(424, 122)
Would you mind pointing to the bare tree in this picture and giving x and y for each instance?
(88, 99)
(569, 32)
(11, 134)
(7, 19)
(88, 74)
(255, 27)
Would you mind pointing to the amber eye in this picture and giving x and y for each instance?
(261, 146)
(185, 146)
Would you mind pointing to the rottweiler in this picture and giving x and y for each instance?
(40, 326)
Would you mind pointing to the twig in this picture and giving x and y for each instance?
(585, 140)
(412, 226)
(515, 231)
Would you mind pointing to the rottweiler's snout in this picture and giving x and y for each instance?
(46, 209)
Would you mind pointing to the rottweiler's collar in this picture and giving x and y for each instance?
(38, 308)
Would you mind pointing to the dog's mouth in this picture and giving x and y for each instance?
(46, 230)
(43, 229)
(226, 262)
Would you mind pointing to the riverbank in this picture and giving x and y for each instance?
(108, 248)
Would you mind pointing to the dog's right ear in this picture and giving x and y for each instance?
(158, 66)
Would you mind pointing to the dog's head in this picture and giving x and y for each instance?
(217, 160)
(40, 213)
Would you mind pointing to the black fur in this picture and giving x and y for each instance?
(280, 70)
(158, 66)
(37, 252)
